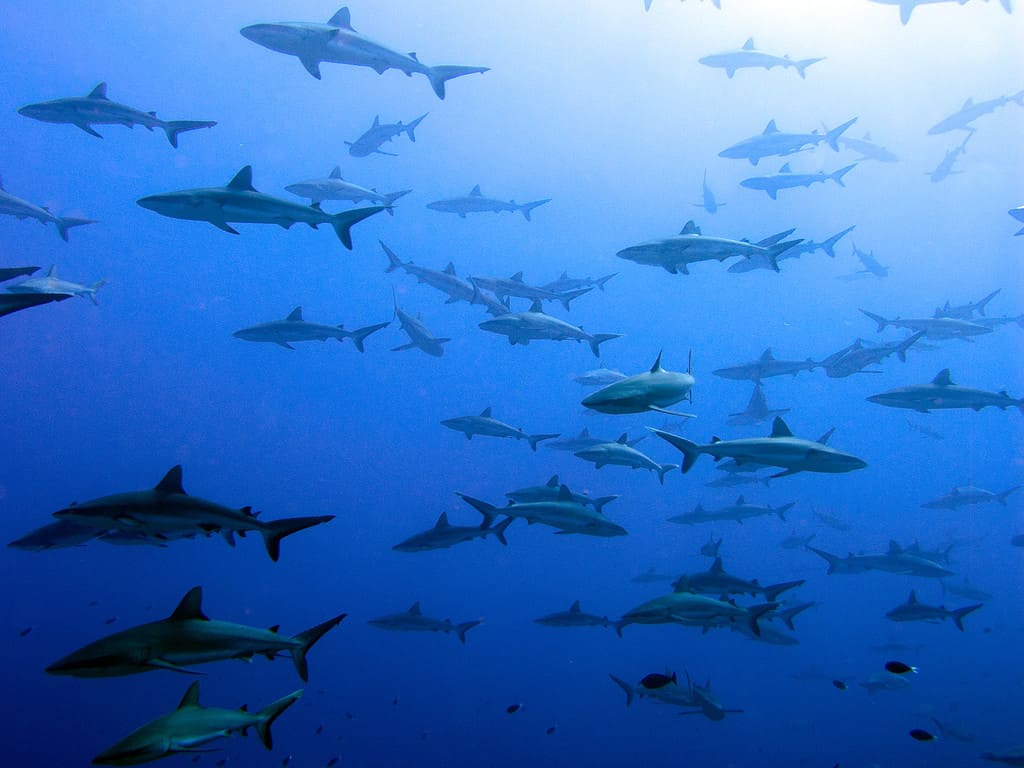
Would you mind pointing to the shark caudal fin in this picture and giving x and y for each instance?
(308, 639)
(691, 451)
(882, 322)
(626, 687)
(901, 350)
(500, 528)
(778, 249)
(832, 137)
(755, 612)
(410, 129)
(92, 291)
(789, 614)
(1001, 497)
(269, 714)
(534, 439)
(389, 200)
(343, 222)
(393, 261)
(828, 246)
(485, 509)
(64, 224)
(359, 335)
(837, 177)
(565, 298)
(173, 128)
(772, 591)
(826, 556)
(803, 64)
(462, 629)
(600, 338)
(438, 76)
(664, 469)
(601, 501)
(601, 281)
(525, 208)
(959, 613)
(276, 530)
(781, 511)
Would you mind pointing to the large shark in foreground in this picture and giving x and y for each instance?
(239, 202)
(969, 112)
(336, 41)
(22, 209)
(942, 393)
(652, 390)
(748, 56)
(413, 620)
(185, 730)
(96, 109)
(293, 328)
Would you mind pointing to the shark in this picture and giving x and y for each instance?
(692, 609)
(16, 302)
(419, 335)
(96, 109)
(524, 327)
(796, 541)
(942, 393)
(565, 283)
(945, 167)
(476, 202)
(757, 410)
(650, 391)
(185, 638)
(446, 281)
(970, 111)
(564, 513)
(711, 547)
(378, 134)
(294, 328)
(739, 511)
(1011, 756)
(651, 576)
(870, 265)
(968, 495)
(674, 695)
(53, 285)
(599, 377)
(9, 273)
(907, 6)
(715, 581)
(786, 179)
(914, 610)
(166, 507)
(674, 254)
(413, 620)
(858, 356)
(574, 617)
(773, 142)
(584, 440)
(706, 701)
(895, 560)
(444, 535)
(765, 367)
(22, 209)
(334, 187)
(966, 311)
(622, 454)
(58, 535)
(868, 149)
(779, 449)
(708, 201)
(185, 730)
(966, 590)
(801, 248)
(936, 328)
(485, 424)
(748, 56)
(885, 680)
(239, 202)
(551, 491)
(338, 42)
(503, 288)
(1018, 214)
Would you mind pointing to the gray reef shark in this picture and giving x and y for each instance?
(765, 367)
(867, 149)
(799, 249)
(895, 560)
(565, 283)
(475, 202)
(708, 201)
(858, 356)
(58, 535)
(446, 281)
(961, 119)
(652, 390)
(599, 377)
(574, 617)
(503, 288)
(966, 311)
(945, 167)
(620, 453)
(914, 610)
(444, 534)
(967, 495)
(293, 328)
(584, 440)
(413, 620)
(757, 410)
(52, 285)
(551, 491)
(773, 142)
(786, 179)
(748, 56)
(715, 581)
(485, 424)
(334, 187)
(942, 393)
(564, 513)
(419, 335)
(379, 134)
(936, 328)
(22, 209)
(907, 6)
(738, 512)
(524, 327)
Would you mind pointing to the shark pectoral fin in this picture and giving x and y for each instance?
(170, 666)
(672, 413)
(312, 66)
(223, 225)
(785, 473)
(284, 344)
(88, 129)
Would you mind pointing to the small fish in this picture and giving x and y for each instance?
(319, 729)
(550, 730)
(25, 632)
(899, 668)
(513, 708)
(921, 735)
(839, 684)
(348, 715)
(222, 762)
(286, 760)
(111, 620)
(654, 681)
(395, 701)
(93, 603)
(333, 761)
(1018, 540)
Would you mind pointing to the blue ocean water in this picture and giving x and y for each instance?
(603, 108)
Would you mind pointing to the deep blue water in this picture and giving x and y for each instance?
(604, 109)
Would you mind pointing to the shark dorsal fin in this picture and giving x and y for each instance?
(716, 567)
(770, 128)
(699, 507)
(242, 180)
(295, 316)
(442, 521)
(767, 355)
(785, 169)
(536, 307)
(191, 697)
(53, 271)
(376, 121)
(486, 412)
(825, 438)
(943, 378)
(690, 228)
(517, 277)
(414, 609)
(740, 501)
(553, 482)
(912, 600)
(450, 269)
(623, 438)
(749, 45)
(190, 607)
(780, 428)
(99, 92)
(575, 607)
(657, 364)
(336, 173)
(564, 494)
(969, 102)
(171, 482)
(585, 432)
(475, 192)
(275, 629)
(894, 547)
(341, 19)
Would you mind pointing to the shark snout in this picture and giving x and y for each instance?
(277, 37)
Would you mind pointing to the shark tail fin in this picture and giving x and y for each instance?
(1001, 497)
(174, 127)
(343, 222)
(93, 288)
(837, 177)
(664, 469)
(389, 200)
(359, 335)
(463, 628)
(525, 208)
(276, 530)
(268, 715)
(565, 298)
(485, 509)
(410, 129)
(802, 65)
(500, 528)
(691, 451)
(601, 281)
(901, 352)
(778, 249)
(828, 246)
(66, 223)
(393, 261)
(826, 556)
(781, 511)
(755, 612)
(308, 640)
(601, 501)
(832, 137)
(959, 613)
(622, 683)
(882, 322)
(600, 338)
(438, 76)
(772, 591)
(534, 439)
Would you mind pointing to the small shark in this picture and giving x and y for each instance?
(757, 410)
(961, 120)
(564, 284)
(967, 495)
(337, 42)
(413, 620)
(334, 187)
(708, 202)
(749, 57)
(293, 328)
(419, 335)
(833, 522)
(563, 513)
(58, 535)
(379, 134)
(524, 327)
(185, 730)
(1013, 755)
(868, 150)
(735, 480)
(446, 281)
(715, 581)
(651, 576)
(52, 285)
(945, 167)
(485, 424)
(966, 311)
(907, 6)
(674, 695)
(871, 265)
(706, 701)
(96, 109)
(187, 637)
(773, 142)
(858, 356)
(503, 288)
(692, 609)
(786, 179)
(780, 449)
(924, 429)
(738, 512)
(966, 590)
(574, 617)
(551, 491)
(652, 390)
(444, 534)
(475, 202)
(913, 610)
(239, 202)
(942, 393)
(765, 367)
(584, 440)
(22, 209)
(895, 560)
(937, 328)
(796, 541)
(599, 377)
(620, 453)
(802, 247)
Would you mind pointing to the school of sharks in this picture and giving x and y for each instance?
(745, 510)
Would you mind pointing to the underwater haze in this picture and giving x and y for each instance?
(600, 111)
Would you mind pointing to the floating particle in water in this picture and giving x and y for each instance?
(25, 632)
(286, 761)
(550, 730)
(839, 684)
(899, 668)
(921, 735)
(222, 762)
(93, 603)
(513, 708)
(348, 715)
(333, 761)
(111, 620)
(319, 729)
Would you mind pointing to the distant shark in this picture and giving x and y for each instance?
(475, 202)
(748, 56)
(294, 328)
(22, 209)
